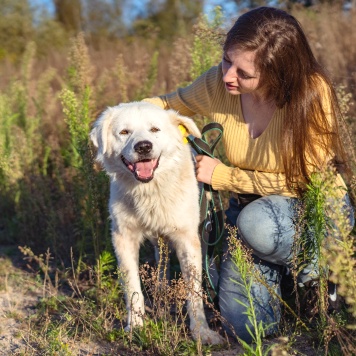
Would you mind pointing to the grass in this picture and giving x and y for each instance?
(326, 231)
(87, 305)
(53, 199)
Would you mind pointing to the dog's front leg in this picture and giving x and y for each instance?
(189, 254)
(127, 252)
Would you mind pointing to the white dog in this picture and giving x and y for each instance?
(153, 193)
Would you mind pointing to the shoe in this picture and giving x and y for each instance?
(335, 300)
(310, 295)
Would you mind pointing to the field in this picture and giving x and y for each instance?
(59, 290)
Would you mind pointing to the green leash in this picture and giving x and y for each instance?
(211, 207)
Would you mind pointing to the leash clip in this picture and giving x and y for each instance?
(208, 224)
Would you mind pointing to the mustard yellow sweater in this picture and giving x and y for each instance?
(257, 166)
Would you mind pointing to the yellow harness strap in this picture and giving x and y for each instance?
(184, 132)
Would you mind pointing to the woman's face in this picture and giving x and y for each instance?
(239, 72)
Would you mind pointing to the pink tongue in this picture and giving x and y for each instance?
(144, 169)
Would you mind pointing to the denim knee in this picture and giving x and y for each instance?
(266, 226)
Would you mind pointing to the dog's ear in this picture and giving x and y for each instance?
(187, 122)
(99, 133)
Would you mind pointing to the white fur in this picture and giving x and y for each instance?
(165, 206)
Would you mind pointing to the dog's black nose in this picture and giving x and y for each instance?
(143, 147)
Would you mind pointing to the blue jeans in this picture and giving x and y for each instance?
(266, 225)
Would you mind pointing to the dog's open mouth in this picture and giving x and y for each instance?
(143, 170)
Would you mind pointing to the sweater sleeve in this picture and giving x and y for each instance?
(249, 182)
(196, 98)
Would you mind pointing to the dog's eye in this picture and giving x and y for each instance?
(124, 132)
(155, 129)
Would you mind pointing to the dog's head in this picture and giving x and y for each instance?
(134, 138)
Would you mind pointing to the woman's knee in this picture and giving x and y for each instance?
(266, 226)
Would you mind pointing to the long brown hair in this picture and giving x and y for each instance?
(291, 76)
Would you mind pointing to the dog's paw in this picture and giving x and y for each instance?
(130, 327)
(138, 323)
(127, 328)
(208, 336)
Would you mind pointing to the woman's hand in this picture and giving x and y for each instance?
(204, 168)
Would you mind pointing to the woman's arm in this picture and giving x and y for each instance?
(196, 98)
(249, 182)
(221, 177)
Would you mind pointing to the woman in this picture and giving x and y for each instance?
(278, 110)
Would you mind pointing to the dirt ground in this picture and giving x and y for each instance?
(20, 292)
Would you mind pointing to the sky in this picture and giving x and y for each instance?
(229, 10)
(48, 4)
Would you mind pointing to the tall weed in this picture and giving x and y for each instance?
(206, 49)
(243, 260)
(89, 186)
(21, 148)
(145, 89)
(327, 247)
